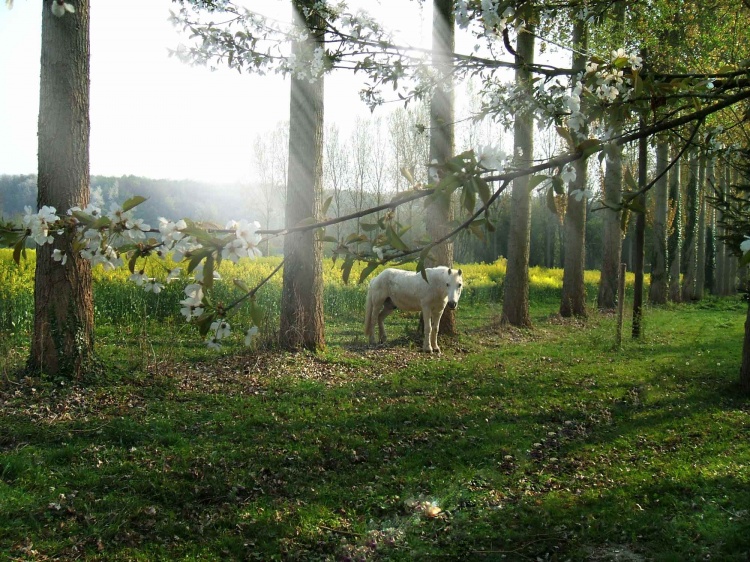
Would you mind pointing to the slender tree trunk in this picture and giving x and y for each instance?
(710, 269)
(439, 214)
(691, 231)
(659, 276)
(721, 247)
(302, 292)
(63, 334)
(613, 232)
(573, 301)
(675, 239)
(516, 291)
(700, 274)
(640, 238)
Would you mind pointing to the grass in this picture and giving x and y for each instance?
(541, 444)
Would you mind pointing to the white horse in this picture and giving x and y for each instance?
(407, 290)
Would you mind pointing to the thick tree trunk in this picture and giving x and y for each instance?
(516, 290)
(573, 301)
(302, 294)
(691, 232)
(63, 334)
(658, 288)
(439, 214)
(674, 253)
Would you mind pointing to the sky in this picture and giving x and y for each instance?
(152, 115)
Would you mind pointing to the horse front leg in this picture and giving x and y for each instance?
(427, 316)
(436, 316)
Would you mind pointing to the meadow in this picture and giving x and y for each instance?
(541, 444)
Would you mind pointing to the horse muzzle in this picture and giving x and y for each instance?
(452, 305)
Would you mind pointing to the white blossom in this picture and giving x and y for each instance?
(59, 7)
(491, 157)
(220, 328)
(568, 174)
(59, 255)
(745, 246)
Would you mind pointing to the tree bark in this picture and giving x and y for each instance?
(63, 333)
(659, 274)
(691, 231)
(573, 301)
(700, 274)
(302, 293)
(640, 238)
(516, 290)
(674, 252)
(439, 214)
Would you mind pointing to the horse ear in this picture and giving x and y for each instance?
(449, 271)
(459, 272)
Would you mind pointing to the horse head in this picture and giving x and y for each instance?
(454, 284)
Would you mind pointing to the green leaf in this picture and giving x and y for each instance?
(241, 285)
(208, 272)
(346, 269)
(630, 180)
(394, 240)
(558, 185)
(133, 260)
(331, 239)
(589, 147)
(534, 181)
(204, 322)
(448, 184)
(483, 189)
(133, 202)
(19, 248)
(371, 266)
(407, 174)
(326, 204)
(476, 229)
(469, 196)
(368, 226)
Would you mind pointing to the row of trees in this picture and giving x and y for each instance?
(605, 101)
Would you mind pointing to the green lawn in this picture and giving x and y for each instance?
(513, 445)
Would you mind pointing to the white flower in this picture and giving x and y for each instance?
(38, 223)
(490, 157)
(636, 62)
(619, 54)
(432, 172)
(174, 274)
(568, 174)
(152, 286)
(745, 246)
(60, 256)
(252, 331)
(191, 306)
(198, 273)
(170, 231)
(591, 67)
(59, 7)
(139, 278)
(579, 194)
(213, 344)
(220, 328)
(378, 251)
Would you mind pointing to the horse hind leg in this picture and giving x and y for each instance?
(388, 307)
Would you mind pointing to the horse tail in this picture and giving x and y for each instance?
(368, 313)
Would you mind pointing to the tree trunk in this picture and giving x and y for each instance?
(439, 214)
(640, 237)
(700, 274)
(302, 293)
(659, 275)
(710, 269)
(674, 252)
(63, 333)
(573, 301)
(691, 232)
(516, 290)
(613, 231)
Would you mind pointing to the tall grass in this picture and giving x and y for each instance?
(119, 302)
